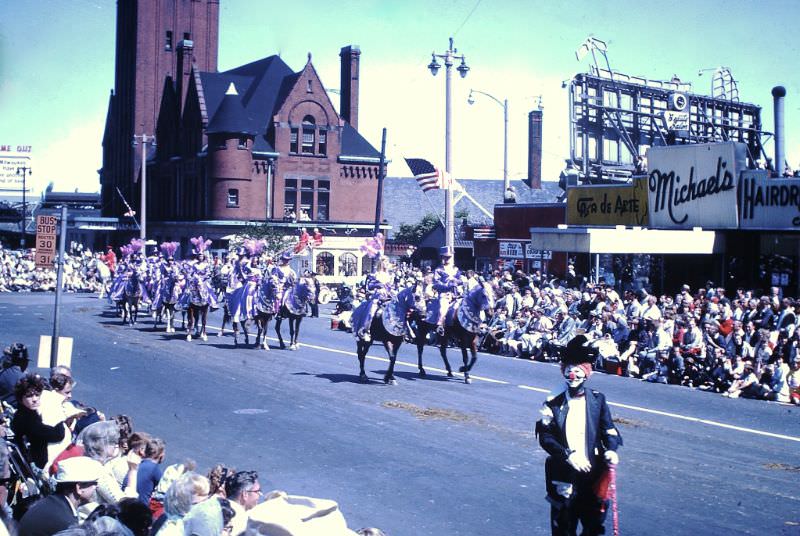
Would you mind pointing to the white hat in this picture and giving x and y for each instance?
(79, 469)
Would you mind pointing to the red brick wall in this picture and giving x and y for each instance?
(232, 168)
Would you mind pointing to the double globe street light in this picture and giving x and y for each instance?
(449, 57)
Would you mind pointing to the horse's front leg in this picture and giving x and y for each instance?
(294, 330)
(225, 317)
(245, 332)
(204, 319)
(443, 352)
(190, 323)
(391, 349)
(422, 334)
(361, 351)
(463, 343)
(278, 322)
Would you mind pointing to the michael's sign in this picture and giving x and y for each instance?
(694, 185)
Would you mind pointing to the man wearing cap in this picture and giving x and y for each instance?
(76, 482)
(581, 439)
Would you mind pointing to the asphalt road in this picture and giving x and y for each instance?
(430, 456)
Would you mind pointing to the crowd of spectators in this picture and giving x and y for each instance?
(82, 271)
(67, 469)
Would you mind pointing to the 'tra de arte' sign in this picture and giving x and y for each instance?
(766, 203)
(694, 185)
(608, 205)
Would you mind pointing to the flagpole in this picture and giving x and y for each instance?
(130, 210)
(435, 211)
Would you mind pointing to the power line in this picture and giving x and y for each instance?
(468, 17)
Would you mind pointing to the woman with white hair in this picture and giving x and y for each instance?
(101, 442)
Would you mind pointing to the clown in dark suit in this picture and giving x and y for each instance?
(577, 432)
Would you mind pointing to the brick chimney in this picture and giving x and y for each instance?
(184, 69)
(535, 150)
(349, 84)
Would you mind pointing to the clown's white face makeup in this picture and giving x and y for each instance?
(575, 376)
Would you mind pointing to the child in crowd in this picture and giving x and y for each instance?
(150, 470)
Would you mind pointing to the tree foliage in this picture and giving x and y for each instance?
(276, 241)
(413, 233)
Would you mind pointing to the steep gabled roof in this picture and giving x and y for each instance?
(354, 144)
(231, 116)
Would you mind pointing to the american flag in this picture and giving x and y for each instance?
(428, 176)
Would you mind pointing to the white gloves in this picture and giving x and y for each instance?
(579, 462)
(611, 457)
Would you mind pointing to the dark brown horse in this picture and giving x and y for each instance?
(462, 325)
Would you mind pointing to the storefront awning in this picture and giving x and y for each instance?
(625, 240)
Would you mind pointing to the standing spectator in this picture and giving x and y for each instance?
(315, 301)
(110, 258)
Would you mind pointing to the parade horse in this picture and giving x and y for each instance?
(266, 307)
(132, 295)
(197, 307)
(462, 324)
(294, 306)
(389, 325)
(241, 304)
(167, 295)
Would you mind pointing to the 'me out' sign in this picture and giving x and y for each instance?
(694, 185)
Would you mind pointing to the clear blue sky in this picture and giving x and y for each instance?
(57, 67)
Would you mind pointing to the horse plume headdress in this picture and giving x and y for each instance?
(373, 247)
(200, 244)
(169, 248)
(137, 245)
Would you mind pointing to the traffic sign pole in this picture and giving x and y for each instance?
(59, 284)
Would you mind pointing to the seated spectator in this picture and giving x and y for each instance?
(150, 471)
(101, 443)
(178, 501)
(244, 491)
(31, 435)
(76, 481)
(12, 369)
(747, 386)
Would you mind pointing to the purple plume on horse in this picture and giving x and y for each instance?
(126, 251)
(200, 244)
(169, 248)
(137, 244)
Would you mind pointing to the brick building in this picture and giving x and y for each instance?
(256, 143)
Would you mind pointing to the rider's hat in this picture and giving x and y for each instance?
(446, 251)
(286, 256)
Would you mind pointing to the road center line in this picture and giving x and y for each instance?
(540, 390)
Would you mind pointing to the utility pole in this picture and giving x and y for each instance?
(24, 171)
(145, 139)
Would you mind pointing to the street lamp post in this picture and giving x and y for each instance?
(504, 105)
(24, 171)
(145, 139)
(449, 56)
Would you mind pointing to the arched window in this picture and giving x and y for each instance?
(324, 264)
(309, 132)
(348, 264)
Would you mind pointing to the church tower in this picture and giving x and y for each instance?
(156, 40)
